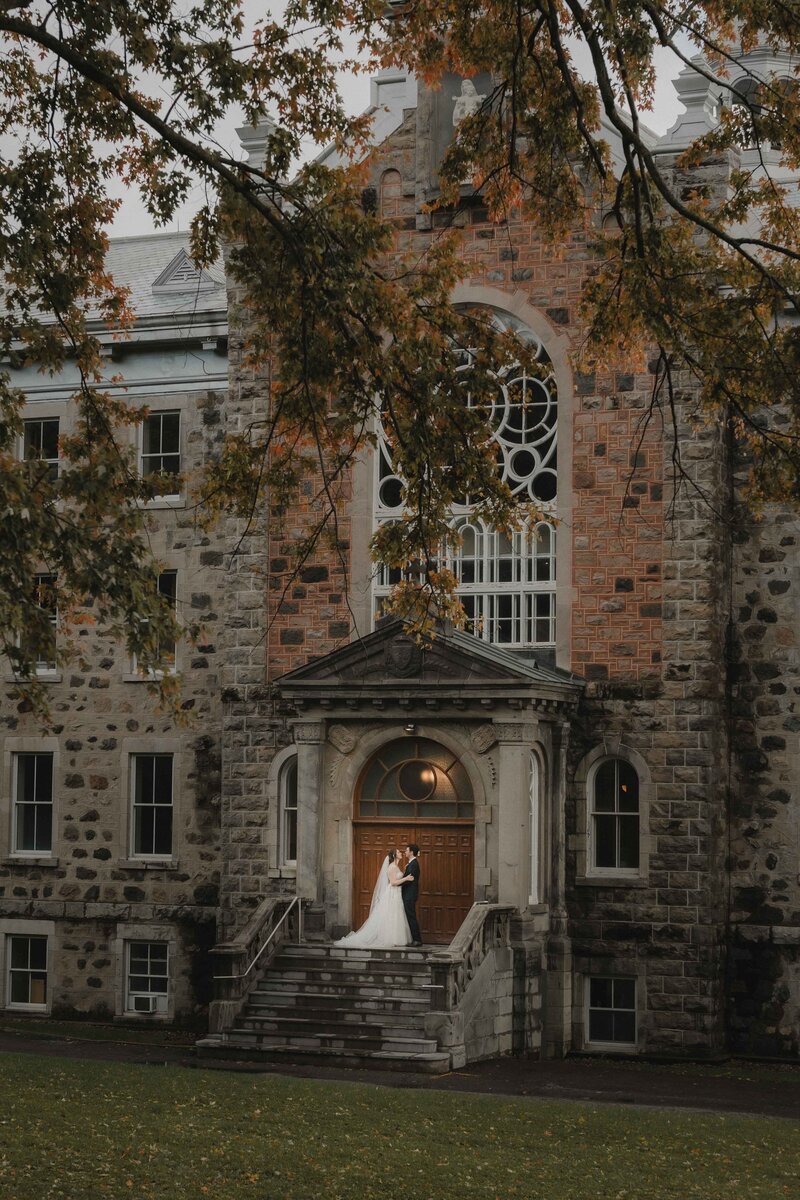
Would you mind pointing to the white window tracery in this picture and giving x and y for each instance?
(506, 583)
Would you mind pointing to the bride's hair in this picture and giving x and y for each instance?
(391, 855)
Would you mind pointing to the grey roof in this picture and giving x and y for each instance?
(137, 262)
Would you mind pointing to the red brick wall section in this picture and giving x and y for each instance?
(617, 521)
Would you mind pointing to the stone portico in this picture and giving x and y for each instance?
(503, 717)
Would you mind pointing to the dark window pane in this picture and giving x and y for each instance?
(170, 433)
(26, 777)
(601, 993)
(38, 953)
(19, 988)
(163, 779)
(158, 953)
(163, 831)
(628, 788)
(290, 784)
(601, 1026)
(625, 993)
(624, 1027)
(291, 835)
(143, 832)
(629, 842)
(19, 952)
(604, 787)
(605, 841)
(44, 778)
(144, 768)
(139, 983)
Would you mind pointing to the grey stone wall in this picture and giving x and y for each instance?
(764, 955)
(666, 929)
(91, 887)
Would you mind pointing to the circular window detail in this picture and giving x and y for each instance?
(416, 779)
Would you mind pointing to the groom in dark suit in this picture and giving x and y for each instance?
(410, 885)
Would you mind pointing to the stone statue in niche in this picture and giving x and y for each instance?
(467, 102)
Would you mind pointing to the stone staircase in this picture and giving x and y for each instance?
(320, 1004)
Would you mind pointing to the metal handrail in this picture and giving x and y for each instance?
(294, 900)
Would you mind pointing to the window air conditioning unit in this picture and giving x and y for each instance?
(145, 1004)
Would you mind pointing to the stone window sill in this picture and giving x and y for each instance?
(39, 677)
(620, 881)
(149, 864)
(29, 860)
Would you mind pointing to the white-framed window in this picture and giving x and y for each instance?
(534, 817)
(40, 443)
(507, 584)
(614, 818)
(26, 957)
(610, 1011)
(287, 792)
(152, 806)
(32, 785)
(146, 977)
(168, 588)
(161, 451)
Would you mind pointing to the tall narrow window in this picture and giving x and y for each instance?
(151, 776)
(147, 988)
(535, 816)
(615, 817)
(161, 451)
(612, 1010)
(33, 803)
(40, 444)
(27, 971)
(288, 813)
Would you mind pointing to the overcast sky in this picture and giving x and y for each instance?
(132, 219)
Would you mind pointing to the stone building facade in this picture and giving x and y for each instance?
(611, 753)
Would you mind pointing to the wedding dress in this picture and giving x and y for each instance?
(386, 926)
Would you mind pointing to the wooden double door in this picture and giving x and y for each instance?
(447, 856)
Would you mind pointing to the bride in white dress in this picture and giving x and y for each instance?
(386, 926)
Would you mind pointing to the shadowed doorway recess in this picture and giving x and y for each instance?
(415, 790)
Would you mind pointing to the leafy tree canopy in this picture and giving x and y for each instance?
(706, 281)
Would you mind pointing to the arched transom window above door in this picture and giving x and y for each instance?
(506, 583)
(415, 779)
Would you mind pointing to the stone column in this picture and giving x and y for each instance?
(309, 737)
(515, 742)
(557, 1038)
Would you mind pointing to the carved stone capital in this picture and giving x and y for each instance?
(308, 731)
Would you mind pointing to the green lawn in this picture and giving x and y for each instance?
(76, 1130)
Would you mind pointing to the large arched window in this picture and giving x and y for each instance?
(614, 817)
(506, 583)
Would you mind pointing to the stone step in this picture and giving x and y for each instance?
(305, 949)
(384, 975)
(314, 1039)
(256, 1017)
(352, 1000)
(437, 1063)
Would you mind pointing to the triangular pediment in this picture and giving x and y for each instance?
(183, 275)
(447, 665)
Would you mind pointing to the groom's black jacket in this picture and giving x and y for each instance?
(411, 890)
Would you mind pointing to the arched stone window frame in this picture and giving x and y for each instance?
(558, 347)
(276, 779)
(585, 776)
(538, 839)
